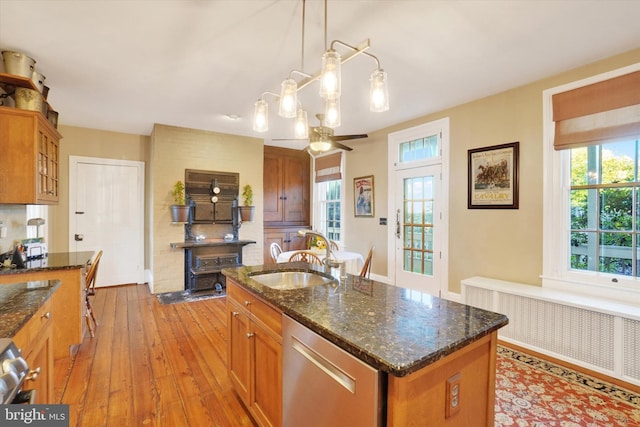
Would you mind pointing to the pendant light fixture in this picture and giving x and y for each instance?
(330, 89)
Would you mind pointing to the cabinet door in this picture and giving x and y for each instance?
(272, 188)
(296, 190)
(271, 237)
(239, 351)
(295, 242)
(267, 393)
(48, 167)
(41, 358)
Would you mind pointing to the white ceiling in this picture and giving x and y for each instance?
(123, 65)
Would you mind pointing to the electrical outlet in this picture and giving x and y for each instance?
(452, 397)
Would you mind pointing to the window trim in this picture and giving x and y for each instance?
(316, 204)
(555, 177)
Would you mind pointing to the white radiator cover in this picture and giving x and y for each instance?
(603, 336)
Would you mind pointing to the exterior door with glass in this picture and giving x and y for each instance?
(417, 233)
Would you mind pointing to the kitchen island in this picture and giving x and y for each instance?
(437, 357)
(68, 302)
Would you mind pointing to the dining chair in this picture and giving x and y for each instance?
(90, 290)
(275, 251)
(366, 268)
(334, 245)
(305, 256)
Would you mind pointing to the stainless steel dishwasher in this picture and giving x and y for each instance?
(326, 386)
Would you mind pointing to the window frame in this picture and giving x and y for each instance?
(317, 205)
(556, 272)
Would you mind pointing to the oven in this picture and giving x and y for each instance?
(213, 196)
(14, 371)
(205, 264)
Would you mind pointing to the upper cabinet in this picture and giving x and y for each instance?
(29, 158)
(286, 186)
(29, 151)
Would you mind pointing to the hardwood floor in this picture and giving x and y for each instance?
(151, 364)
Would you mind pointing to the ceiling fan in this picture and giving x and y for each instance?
(321, 138)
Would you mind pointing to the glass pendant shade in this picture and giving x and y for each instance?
(330, 75)
(332, 112)
(302, 125)
(261, 116)
(378, 91)
(320, 145)
(288, 99)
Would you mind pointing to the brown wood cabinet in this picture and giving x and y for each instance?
(287, 198)
(286, 186)
(29, 159)
(286, 237)
(35, 339)
(254, 358)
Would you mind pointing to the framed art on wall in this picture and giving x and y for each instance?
(363, 196)
(493, 177)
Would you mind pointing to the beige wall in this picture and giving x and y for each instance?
(174, 149)
(504, 244)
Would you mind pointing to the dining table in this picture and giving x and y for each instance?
(353, 261)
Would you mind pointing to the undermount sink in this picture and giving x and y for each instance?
(284, 280)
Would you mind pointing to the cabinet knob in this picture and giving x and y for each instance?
(247, 303)
(46, 315)
(33, 375)
(250, 334)
(235, 313)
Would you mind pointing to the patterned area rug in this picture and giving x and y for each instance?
(537, 393)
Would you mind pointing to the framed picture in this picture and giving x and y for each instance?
(493, 177)
(363, 196)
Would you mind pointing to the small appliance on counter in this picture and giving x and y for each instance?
(34, 249)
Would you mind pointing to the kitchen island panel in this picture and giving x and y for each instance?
(68, 303)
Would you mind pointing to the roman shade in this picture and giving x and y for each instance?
(328, 167)
(590, 114)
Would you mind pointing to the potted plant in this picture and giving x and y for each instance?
(247, 211)
(179, 210)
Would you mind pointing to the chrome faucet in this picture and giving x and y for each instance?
(327, 259)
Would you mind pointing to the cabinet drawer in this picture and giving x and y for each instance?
(261, 312)
(29, 332)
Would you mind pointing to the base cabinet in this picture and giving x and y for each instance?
(287, 238)
(35, 340)
(255, 354)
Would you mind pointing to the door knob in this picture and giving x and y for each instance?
(78, 237)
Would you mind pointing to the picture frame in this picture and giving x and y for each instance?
(493, 177)
(363, 196)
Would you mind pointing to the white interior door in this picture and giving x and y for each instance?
(418, 260)
(106, 212)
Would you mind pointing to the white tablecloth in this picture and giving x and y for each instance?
(353, 261)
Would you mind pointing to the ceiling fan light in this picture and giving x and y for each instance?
(301, 129)
(330, 80)
(320, 145)
(332, 112)
(261, 116)
(378, 91)
(288, 99)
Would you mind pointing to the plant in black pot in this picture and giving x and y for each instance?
(247, 211)
(179, 210)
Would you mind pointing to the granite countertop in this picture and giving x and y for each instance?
(53, 261)
(19, 302)
(393, 329)
(210, 242)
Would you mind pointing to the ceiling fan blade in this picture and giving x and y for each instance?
(345, 137)
(340, 146)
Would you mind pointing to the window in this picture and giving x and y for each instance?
(328, 195)
(591, 226)
(604, 215)
(329, 199)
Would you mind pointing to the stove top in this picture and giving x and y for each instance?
(13, 370)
